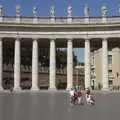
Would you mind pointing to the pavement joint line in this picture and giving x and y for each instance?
(57, 91)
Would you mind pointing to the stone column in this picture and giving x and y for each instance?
(52, 76)
(17, 65)
(69, 64)
(87, 63)
(1, 64)
(35, 65)
(105, 64)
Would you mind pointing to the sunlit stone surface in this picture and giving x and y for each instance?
(55, 106)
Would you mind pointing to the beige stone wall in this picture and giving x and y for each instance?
(115, 66)
(98, 67)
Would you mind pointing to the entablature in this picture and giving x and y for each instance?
(62, 35)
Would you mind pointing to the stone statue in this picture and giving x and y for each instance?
(1, 10)
(52, 11)
(17, 10)
(69, 11)
(104, 10)
(35, 11)
(86, 11)
(119, 9)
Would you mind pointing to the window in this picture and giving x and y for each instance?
(93, 60)
(109, 72)
(109, 59)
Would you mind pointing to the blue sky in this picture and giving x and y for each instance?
(61, 6)
(61, 9)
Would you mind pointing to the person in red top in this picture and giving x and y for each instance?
(80, 97)
(75, 94)
(79, 94)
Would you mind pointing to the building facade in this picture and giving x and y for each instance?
(113, 68)
(96, 34)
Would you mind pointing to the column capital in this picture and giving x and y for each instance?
(105, 38)
(52, 39)
(17, 36)
(69, 39)
(87, 39)
(35, 39)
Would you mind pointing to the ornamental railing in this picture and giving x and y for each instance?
(59, 20)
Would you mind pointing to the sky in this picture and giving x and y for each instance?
(61, 9)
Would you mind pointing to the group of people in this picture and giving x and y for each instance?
(76, 96)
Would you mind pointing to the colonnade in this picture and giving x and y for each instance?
(52, 67)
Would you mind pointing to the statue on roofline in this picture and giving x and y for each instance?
(86, 11)
(52, 11)
(69, 11)
(1, 10)
(104, 10)
(35, 11)
(17, 10)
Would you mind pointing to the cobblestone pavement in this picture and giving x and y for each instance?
(55, 106)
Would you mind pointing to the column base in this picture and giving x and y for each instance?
(1, 89)
(16, 89)
(69, 87)
(35, 89)
(52, 89)
(105, 89)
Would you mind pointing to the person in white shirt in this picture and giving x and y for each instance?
(89, 97)
(72, 91)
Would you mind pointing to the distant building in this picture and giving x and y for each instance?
(113, 58)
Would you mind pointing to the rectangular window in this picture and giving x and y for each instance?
(109, 59)
(109, 72)
(93, 60)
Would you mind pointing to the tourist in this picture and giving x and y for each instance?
(80, 96)
(89, 97)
